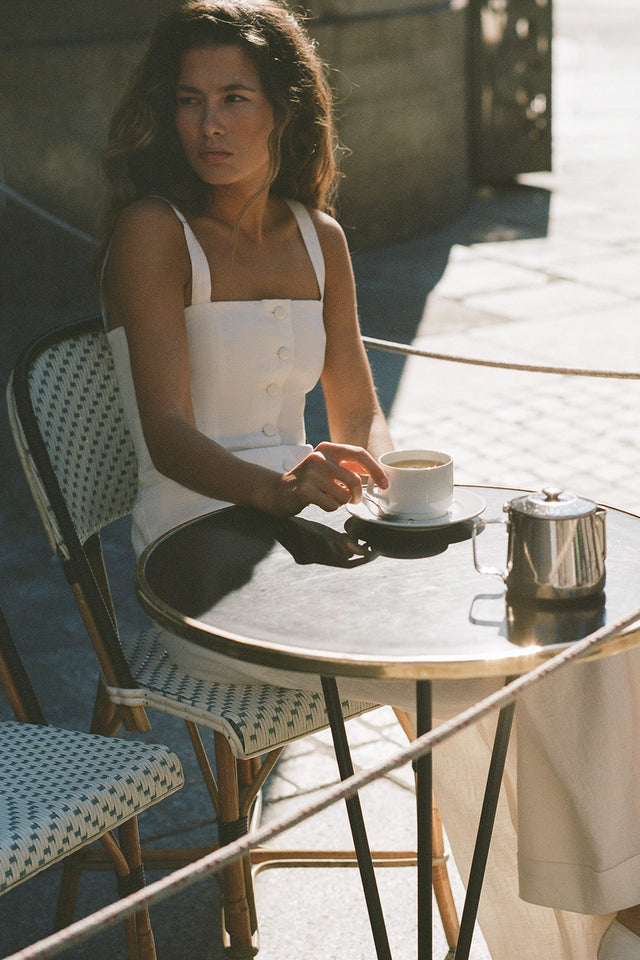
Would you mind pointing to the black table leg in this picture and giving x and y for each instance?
(356, 820)
(485, 830)
(424, 809)
(424, 806)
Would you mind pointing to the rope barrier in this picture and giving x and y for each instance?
(45, 215)
(390, 347)
(212, 863)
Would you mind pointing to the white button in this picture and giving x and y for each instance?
(269, 430)
(284, 353)
(280, 313)
(273, 390)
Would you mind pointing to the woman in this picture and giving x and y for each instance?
(227, 292)
(236, 144)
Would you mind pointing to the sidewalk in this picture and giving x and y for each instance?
(546, 271)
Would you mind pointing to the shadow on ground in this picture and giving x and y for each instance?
(394, 282)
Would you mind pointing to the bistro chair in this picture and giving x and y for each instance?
(60, 790)
(71, 435)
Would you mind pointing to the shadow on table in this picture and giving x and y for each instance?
(408, 544)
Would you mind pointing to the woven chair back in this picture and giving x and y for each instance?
(72, 390)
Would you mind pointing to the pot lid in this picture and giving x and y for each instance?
(552, 503)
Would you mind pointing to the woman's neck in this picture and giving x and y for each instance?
(248, 214)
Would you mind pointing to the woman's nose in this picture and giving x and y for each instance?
(211, 121)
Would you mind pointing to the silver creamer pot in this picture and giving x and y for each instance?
(556, 546)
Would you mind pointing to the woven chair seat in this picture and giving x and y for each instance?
(61, 789)
(255, 718)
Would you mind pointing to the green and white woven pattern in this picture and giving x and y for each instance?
(76, 400)
(61, 789)
(255, 718)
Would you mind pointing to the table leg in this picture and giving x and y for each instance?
(424, 811)
(356, 820)
(485, 829)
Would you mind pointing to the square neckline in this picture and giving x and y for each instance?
(201, 274)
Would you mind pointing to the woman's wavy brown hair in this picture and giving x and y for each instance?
(144, 155)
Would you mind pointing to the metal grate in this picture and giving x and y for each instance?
(509, 77)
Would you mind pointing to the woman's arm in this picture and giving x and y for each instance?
(353, 410)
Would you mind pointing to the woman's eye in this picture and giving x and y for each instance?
(235, 98)
(185, 100)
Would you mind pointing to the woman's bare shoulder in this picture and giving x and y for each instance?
(150, 220)
(325, 223)
(148, 260)
(149, 241)
(330, 234)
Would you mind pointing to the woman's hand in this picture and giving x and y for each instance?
(330, 476)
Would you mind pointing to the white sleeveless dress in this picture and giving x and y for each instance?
(252, 363)
(576, 805)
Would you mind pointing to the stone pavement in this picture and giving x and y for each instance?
(546, 271)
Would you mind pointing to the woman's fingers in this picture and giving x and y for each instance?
(331, 476)
(329, 484)
(356, 460)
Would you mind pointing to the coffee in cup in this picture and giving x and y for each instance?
(415, 463)
(420, 485)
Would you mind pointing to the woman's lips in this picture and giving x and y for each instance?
(214, 156)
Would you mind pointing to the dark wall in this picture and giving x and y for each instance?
(399, 72)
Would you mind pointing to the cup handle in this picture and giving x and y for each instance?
(478, 525)
(369, 495)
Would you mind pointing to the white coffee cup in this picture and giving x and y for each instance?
(420, 485)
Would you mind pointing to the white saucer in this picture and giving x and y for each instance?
(466, 505)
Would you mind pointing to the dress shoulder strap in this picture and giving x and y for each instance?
(200, 273)
(311, 241)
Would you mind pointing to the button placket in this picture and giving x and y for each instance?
(283, 353)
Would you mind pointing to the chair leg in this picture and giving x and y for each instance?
(235, 880)
(125, 885)
(233, 798)
(441, 883)
(68, 894)
(203, 762)
(247, 771)
(130, 846)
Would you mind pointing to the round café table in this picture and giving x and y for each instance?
(294, 594)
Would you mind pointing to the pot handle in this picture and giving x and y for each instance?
(478, 525)
(601, 514)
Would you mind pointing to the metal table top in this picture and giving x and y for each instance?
(286, 593)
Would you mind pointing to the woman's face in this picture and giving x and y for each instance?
(223, 117)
